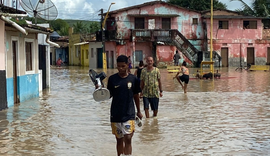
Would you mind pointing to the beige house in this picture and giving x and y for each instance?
(19, 59)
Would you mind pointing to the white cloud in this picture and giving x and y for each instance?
(89, 9)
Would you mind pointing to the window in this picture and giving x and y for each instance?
(223, 25)
(166, 23)
(92, 52)
(28, 56)
(138, 55)
(87, 54)
(78, 51)
(250, 24)
(195, 21)
(139, 23)
(266, 23)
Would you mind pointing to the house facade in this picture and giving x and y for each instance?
(158, 29)
(95, 55)
(24, 59)
(239, 39)
(74, 50)
(155, 29)
(62, 52)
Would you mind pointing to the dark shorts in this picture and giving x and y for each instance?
(152, 101)
(184, 78)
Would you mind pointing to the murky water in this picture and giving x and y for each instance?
(227, 116)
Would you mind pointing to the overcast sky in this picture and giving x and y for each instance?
(89, 9)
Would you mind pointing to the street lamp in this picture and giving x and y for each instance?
(103, 36)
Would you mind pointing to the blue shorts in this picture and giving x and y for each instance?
(152, 101)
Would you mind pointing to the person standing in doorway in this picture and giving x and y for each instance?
(151, 87)
(129, 64)
(184, 77)
(124, 88)
(176, 58)
(138, 71)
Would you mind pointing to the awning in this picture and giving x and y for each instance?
(153, 15)
(81, 43)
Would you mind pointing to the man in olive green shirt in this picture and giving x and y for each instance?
(151, 87)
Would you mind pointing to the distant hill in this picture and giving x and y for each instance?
(71, 22)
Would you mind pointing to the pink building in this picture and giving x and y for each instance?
(239, 39)
(158, 29)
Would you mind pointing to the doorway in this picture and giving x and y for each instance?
(224, 56)
(112, 59)
(138, 57)
(99, 58)
(15, 78)
(42, 64)
(250, 56)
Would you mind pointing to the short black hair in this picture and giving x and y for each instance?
(184, 63)
(122, 58)
(141, 63)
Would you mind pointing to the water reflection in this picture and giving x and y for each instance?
(227, 116)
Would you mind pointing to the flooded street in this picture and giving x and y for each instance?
(227, 116)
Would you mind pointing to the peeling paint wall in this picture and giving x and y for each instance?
(125, 20)
(238, 39)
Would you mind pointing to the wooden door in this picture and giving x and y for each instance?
(268, 56)
(15, 81)
(42, 64)
(250, 56)
(166, 23)
(99, 58)
(224, 57)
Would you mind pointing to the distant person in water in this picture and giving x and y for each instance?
(59, 62)
(184, 77)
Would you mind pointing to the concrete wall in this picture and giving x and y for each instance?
(2, 46)
(93, 54)
(85, 55)
(74, 57)
(3, 88)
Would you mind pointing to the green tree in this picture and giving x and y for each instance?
(93, 27)
(56, 25)
(258, 8)
(198, 5)
(79, 27)
(63, 31)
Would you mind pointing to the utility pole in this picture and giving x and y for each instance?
(104, 60)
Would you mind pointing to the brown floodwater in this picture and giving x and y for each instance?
(227, 116)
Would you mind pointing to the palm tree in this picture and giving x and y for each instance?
(257, 8)
(79, 27)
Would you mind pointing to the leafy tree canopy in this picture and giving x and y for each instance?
(56, 25)
(198, 5)
(258, 8)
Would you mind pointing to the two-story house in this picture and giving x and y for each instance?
(239, 39)
(155, 29)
